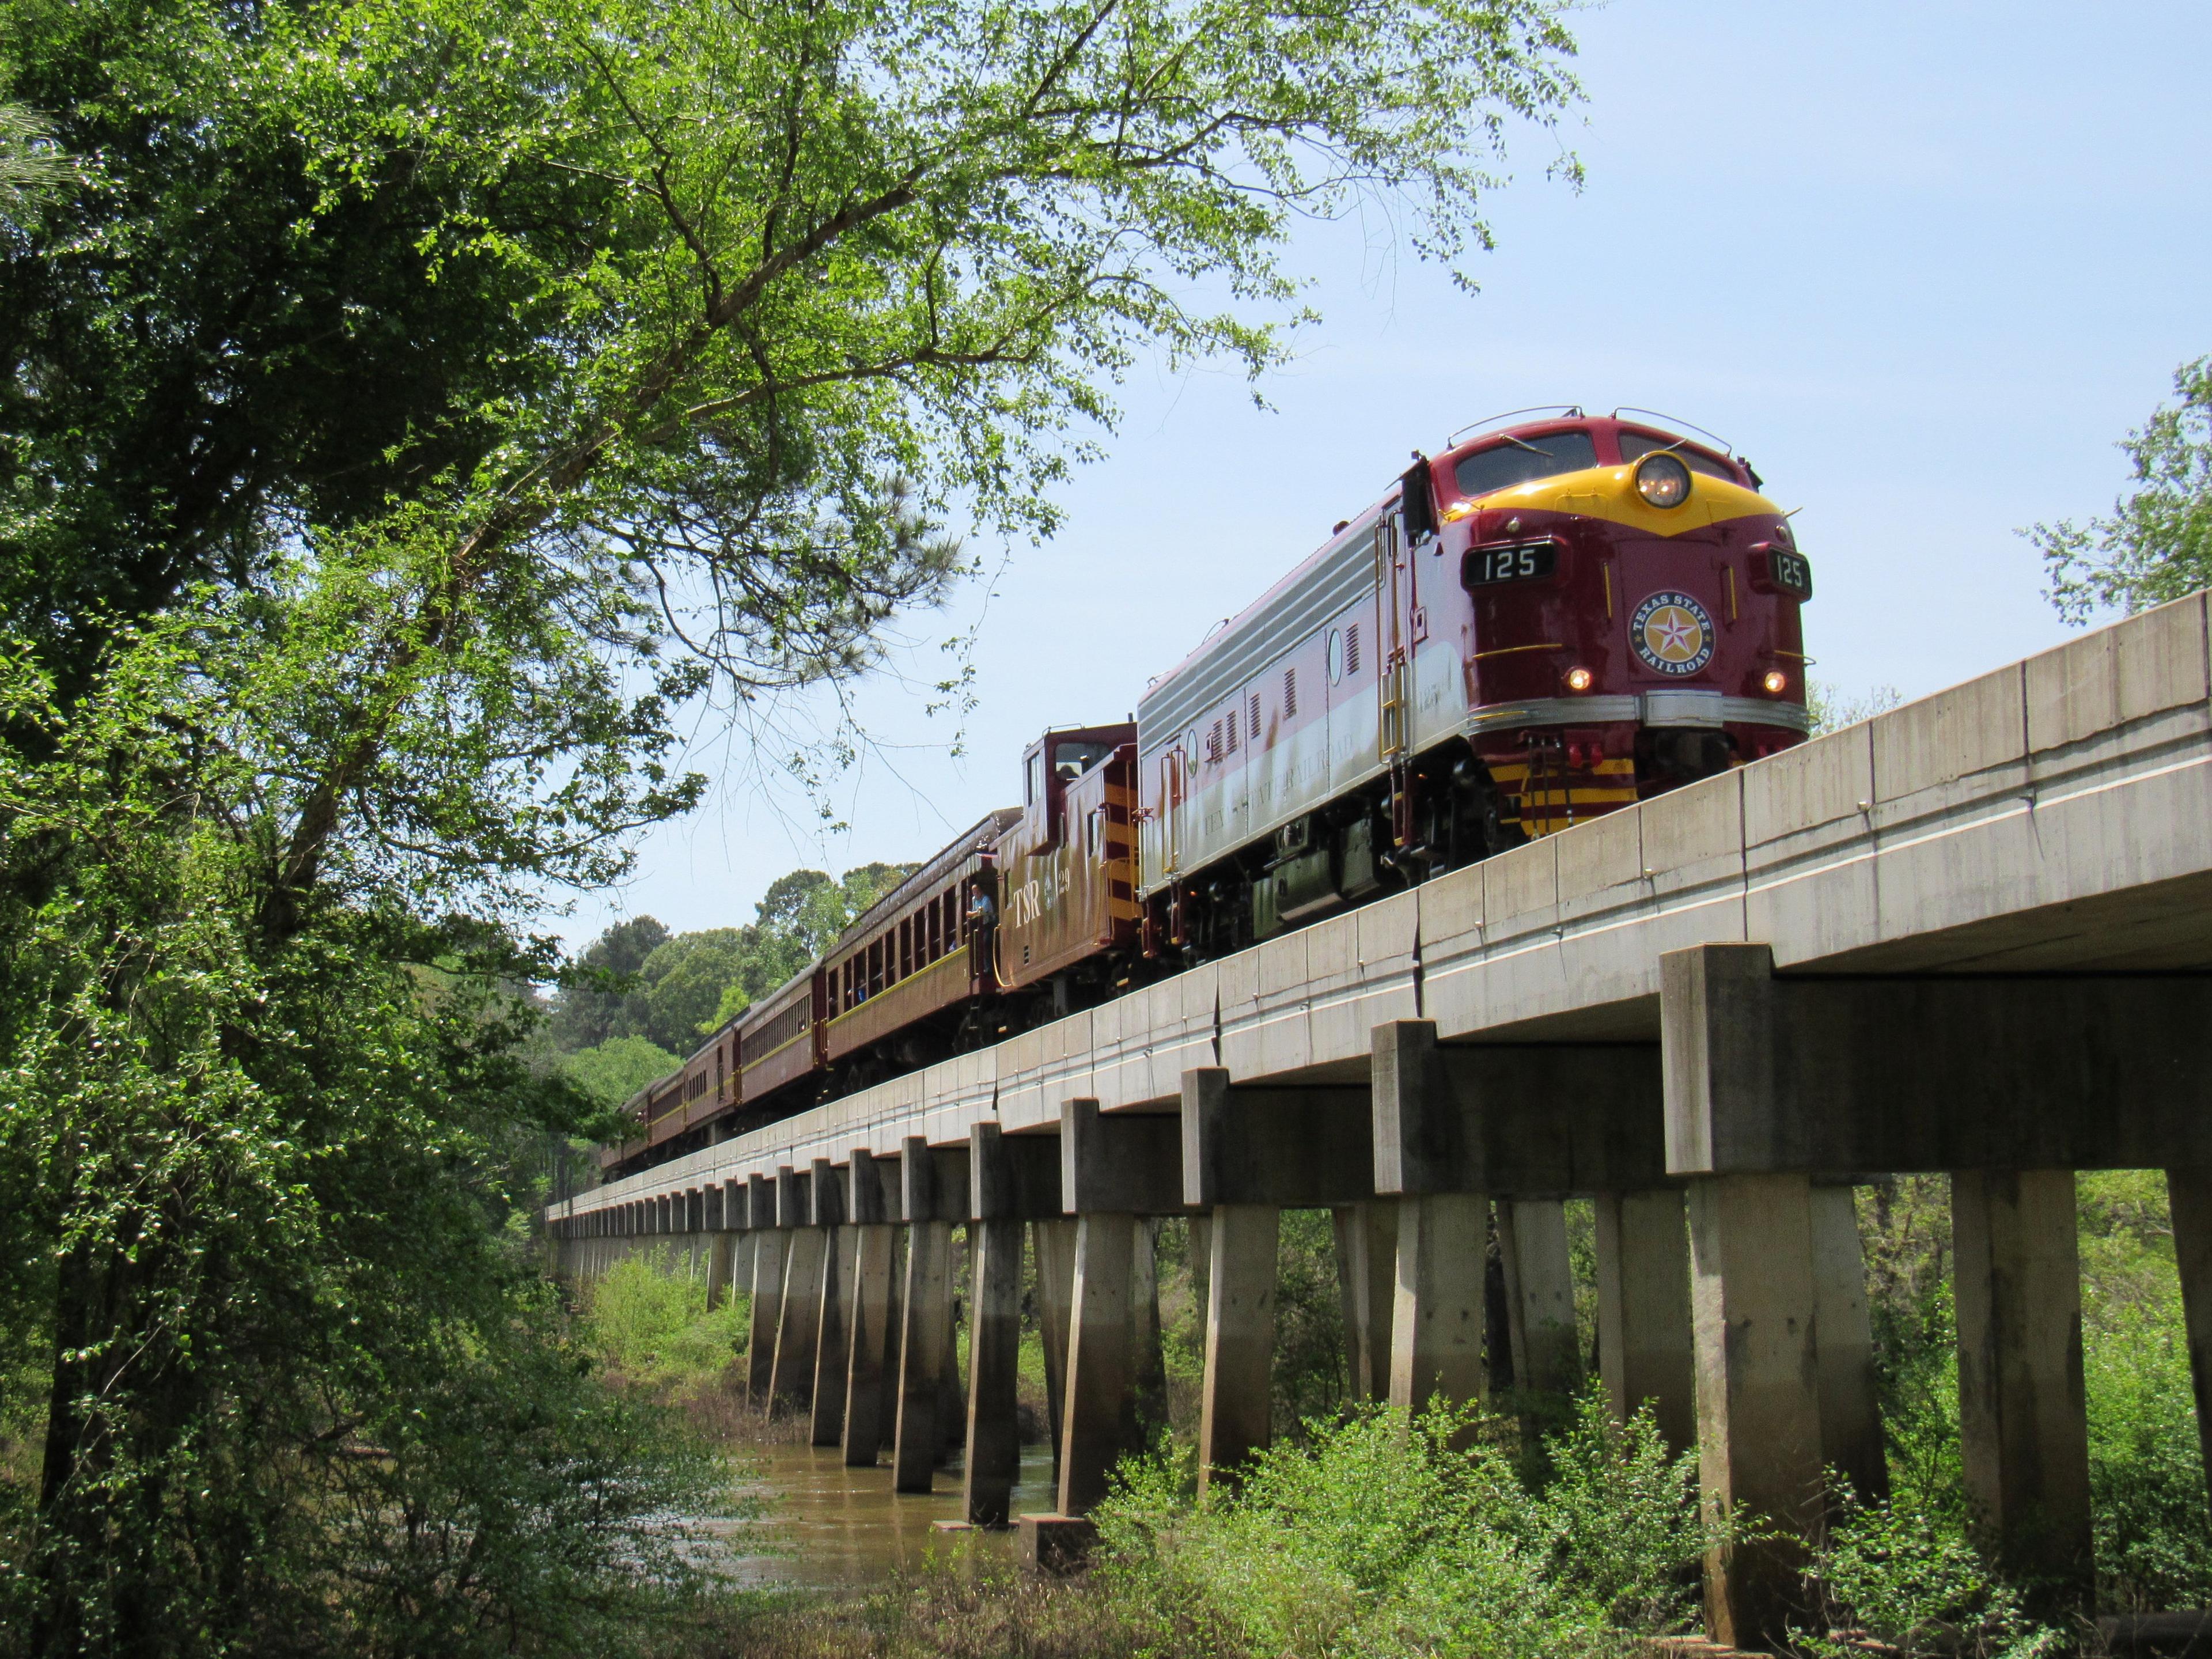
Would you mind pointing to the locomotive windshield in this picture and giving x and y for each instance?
(1634, 445)
(1517, 460)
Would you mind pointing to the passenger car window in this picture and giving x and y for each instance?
(1634, 446)
(1519, 460)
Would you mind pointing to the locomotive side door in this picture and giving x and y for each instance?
(1394, 602)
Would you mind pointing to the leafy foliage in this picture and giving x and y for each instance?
(648, 1319)
(302, 1387)
(1913, 1584)
(1379, 1537)
(406, 409)
(2157, 544)
(610, 1073)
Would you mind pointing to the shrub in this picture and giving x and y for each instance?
(648, 1318)
(1382, 1537)
(1913, 1583)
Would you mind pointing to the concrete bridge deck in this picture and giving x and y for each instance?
(1965, 937)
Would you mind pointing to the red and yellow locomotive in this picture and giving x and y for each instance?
(1553, 619)
(1549, 621)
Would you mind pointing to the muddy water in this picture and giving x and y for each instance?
(829, 1527)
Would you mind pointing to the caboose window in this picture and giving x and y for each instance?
(1070, 760)
(1634, 446)
(1517, 460)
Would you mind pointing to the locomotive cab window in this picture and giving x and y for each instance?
(1518, 460)
(1635, 445)
(1033, 780)
(1070, 760)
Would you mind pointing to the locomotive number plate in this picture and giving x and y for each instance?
(1791, 572)
(1488, 565)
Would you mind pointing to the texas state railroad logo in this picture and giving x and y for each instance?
(1671, 633)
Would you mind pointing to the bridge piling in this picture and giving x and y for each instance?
(833, 1338)
(2023, 1418)
(1851, 1438)
(1248, 1154)
(792, 1386)
(1113, 1170)
(930, 1204)
(1236, 1410)
(1539, 1282)
(1759, 1404)
(1643, 1310)
(994, 1329)
(862, 1431)
(1052, 1246)
(765, 1318)
(2189, 1199)
(1366, 1267)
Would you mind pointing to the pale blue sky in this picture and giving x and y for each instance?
(1923, 263)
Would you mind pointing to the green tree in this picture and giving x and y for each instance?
(610, 1073)
(404, 411)
(684, 980)
(29, 167)
(2157, 544)
(603, 997)
(798, 920)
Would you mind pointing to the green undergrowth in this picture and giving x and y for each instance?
(648, 1318)
(1377, 1536)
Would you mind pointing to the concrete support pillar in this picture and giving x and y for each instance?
(765, 1317)
(1758, 1403)
(994, 1338)
(928, 1325)
(1644, 1312)
(2023, 1420)
(799, 1324)
(1145, 1310)
(1851, 1404)
(1236, 1412)
(927, 1331)
(1100, 1423)
(722, 1259)
(833, 1351)
(951, 1393)
(1539, 1284)
(1367, 1280)
(1201, 1255)
(1435, 1319)
(2189, 1195)
(863, 1436)
(1054, 1251)
(894, 1346)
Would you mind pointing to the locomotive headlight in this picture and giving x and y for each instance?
(1663, 480)
(1579, 679)
(1776, 682)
